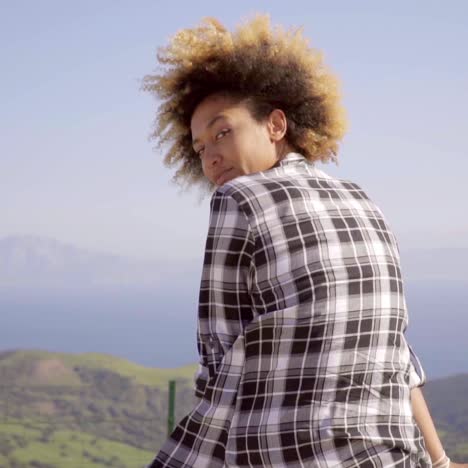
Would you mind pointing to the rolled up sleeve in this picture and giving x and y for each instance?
(200, 380)
(417, 374)
(224, 301)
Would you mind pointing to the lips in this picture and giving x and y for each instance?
(221, 178)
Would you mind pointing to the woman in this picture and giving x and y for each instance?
(302, 314)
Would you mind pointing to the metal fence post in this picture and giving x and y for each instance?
(170, 413)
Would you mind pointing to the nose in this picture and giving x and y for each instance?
(211, 157)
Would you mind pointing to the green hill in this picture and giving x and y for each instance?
(93, 410)
(447, 399)
(63, 410)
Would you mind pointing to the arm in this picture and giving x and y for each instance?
(200, 438)
(425, 424)
(428, 430)
(421, 413)
(224, 301)
(423, 417)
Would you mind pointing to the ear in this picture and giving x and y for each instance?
(277, 125)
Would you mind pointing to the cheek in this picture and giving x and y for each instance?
(206, 172)
(255, 144)
(250, 141)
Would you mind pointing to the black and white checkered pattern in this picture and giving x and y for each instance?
(302, 314)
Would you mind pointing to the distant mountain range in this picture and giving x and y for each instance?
(35, 261)
(28, 261)
(61, 410)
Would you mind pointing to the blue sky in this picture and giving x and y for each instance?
(76, 163)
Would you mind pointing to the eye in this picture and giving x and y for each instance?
(222, 132)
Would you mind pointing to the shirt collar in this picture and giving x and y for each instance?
(291, 158)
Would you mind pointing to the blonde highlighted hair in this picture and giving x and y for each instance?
(272, 68)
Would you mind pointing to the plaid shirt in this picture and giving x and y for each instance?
(302, 314)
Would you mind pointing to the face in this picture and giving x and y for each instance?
(230, 143)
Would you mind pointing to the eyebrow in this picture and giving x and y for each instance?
(210, 123)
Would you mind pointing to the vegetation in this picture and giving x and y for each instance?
(62, 410)
(59, 410)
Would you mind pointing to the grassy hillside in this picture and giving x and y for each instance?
(59, 410)
(63, 410)
(447, 399)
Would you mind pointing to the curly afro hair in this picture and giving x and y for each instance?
(271, 69)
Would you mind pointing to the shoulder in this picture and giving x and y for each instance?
(229, 209)
(234, 195)
(271, 186)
